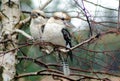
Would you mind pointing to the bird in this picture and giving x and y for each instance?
(38, 21)
(57, 33)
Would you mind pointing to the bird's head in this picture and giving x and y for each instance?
(38, 16)
(61, 16)
(64, 18)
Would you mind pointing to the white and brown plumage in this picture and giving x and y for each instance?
(37, 24)
(56, 32)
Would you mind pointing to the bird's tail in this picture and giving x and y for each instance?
(65, 65)
(66, 69)
(70, 55)
(70, 52)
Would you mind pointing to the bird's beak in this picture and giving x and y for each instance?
(33, 15)
(68, 24)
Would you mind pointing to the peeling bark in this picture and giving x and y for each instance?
(11, 16)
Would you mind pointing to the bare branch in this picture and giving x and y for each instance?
(80, 44)
(26, 74)
(80, 17)
(85, 71)
(95, 22)
(94, 51)
(101, 6)
(33, 60)
(27, 12)
(57, 46)
(92, 38)
(23, 33)
(22, 22)
(55, 72)
(49, 72)
(24, 45)
(49, 1)
(0, 16)
(85, 13)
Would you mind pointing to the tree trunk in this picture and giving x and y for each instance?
(10, 17)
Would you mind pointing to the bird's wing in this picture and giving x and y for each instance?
(42, 28)
(67, 38)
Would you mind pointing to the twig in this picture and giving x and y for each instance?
(85, 71)
(84, 42)
(57, 46)
(58, 72)
(5, 52)
(48, 43)
(96, 72)
(74, 47)
(27, 12)
(85, 13)
(32, 59)
(26, 74)
(49, 1)
(42, 73)
(0, 16)
(100, 6)
(79, 17)
(88, 40)
(85, 76)
(51, 72)
(94, 51)
(23, 33)
(95, 22)
(22, 22)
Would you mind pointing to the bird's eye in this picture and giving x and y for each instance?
(62, 19)
(56, 17)
(39, 14)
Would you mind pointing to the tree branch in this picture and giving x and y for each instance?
(95, 22)
(33, 60)
(86, 41)
(49, 72)
(85, 13)
(23, 33)
(80, 44)
(49, 1)
(85, 71)
(22, 22)
(57, 46)
(101, 6)
(0, 16)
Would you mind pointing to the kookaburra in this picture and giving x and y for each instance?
(56, 32)
(37, 24)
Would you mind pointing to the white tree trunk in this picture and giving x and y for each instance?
(10, 17)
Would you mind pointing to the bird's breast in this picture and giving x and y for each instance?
(52, 33)
(35, 31)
